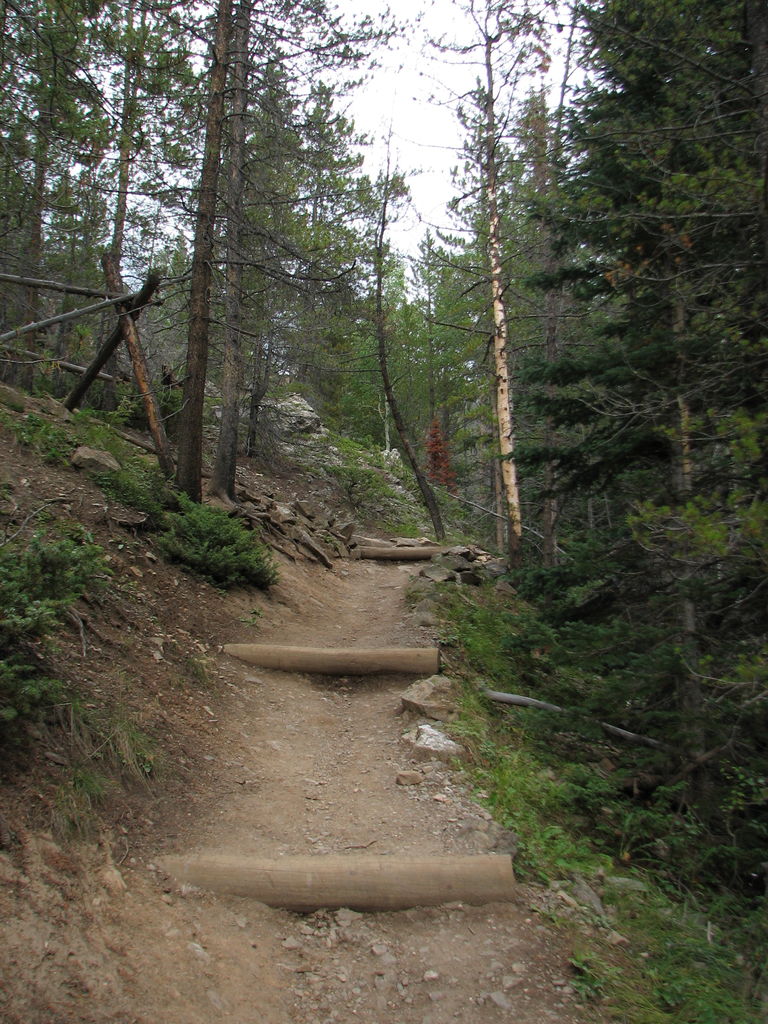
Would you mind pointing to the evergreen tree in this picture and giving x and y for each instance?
(664, 411)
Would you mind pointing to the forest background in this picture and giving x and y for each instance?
(575, 369)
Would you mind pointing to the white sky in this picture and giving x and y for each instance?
(413, 95)
(398, 98)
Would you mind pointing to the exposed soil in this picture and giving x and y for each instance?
(256, 763)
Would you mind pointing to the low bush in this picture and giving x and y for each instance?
(39, 580)
(54, 444)
(140, 486)
(216, 547)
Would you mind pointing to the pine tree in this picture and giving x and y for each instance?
(663, 414)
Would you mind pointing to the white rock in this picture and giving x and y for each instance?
(429, 743)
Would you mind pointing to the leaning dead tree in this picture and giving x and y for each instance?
(130, 336)
(132, 306)
(129, 305)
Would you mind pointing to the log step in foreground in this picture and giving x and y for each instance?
(308, 883)
(356, 661)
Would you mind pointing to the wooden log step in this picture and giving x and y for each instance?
(356, 661)
(402, 554)
(360, 882)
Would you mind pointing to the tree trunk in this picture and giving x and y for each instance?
(141, 371)
(504, 405)
(189, 470)
(381, 338)
(223, 481)
(262, 365)
(757, 33)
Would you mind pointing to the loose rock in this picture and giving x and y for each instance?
(428, 743)
(432, 697)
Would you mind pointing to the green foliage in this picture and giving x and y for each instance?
(524, 794)
(378, 489)
(212, 545)
(139, 485)
(364, 489)
(23, 691)
(539, 773)
(39, 580)
(690, 971)
(54, 444)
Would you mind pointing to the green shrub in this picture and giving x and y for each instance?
(364, 488)
(138, 485)
(209, 543)
(52, 443)
(39, 580)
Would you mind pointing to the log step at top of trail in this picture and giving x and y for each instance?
(356, 661)
(400, 554)
(360, 882)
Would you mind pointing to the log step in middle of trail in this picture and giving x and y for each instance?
(360, 882)
(356, 661)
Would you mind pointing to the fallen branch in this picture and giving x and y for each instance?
(134, 304)
(56, 286)
(130, 335)
(140, 442)
(62, 318)
(59, 363)
(613, 730)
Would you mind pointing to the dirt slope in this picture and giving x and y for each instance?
(255, 762)
(298, 765)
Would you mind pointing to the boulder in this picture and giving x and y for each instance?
(93, 460)
(296, 416)
(303, 509)
(458, 563)
(437, 573)
(470, 577)
(345, 530)
(424, 614)
(431, 697)
(462, 551)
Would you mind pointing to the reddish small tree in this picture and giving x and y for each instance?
(439, 469)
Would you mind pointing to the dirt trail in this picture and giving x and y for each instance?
(312, 766)
(300, 765)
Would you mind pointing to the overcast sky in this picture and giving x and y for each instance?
(408, 96)
(413, 95)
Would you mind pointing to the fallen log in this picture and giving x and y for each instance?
(395, 554)
(56, 286)
(63, 318)
(59, 364)
(360, 882)
(356, 661)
